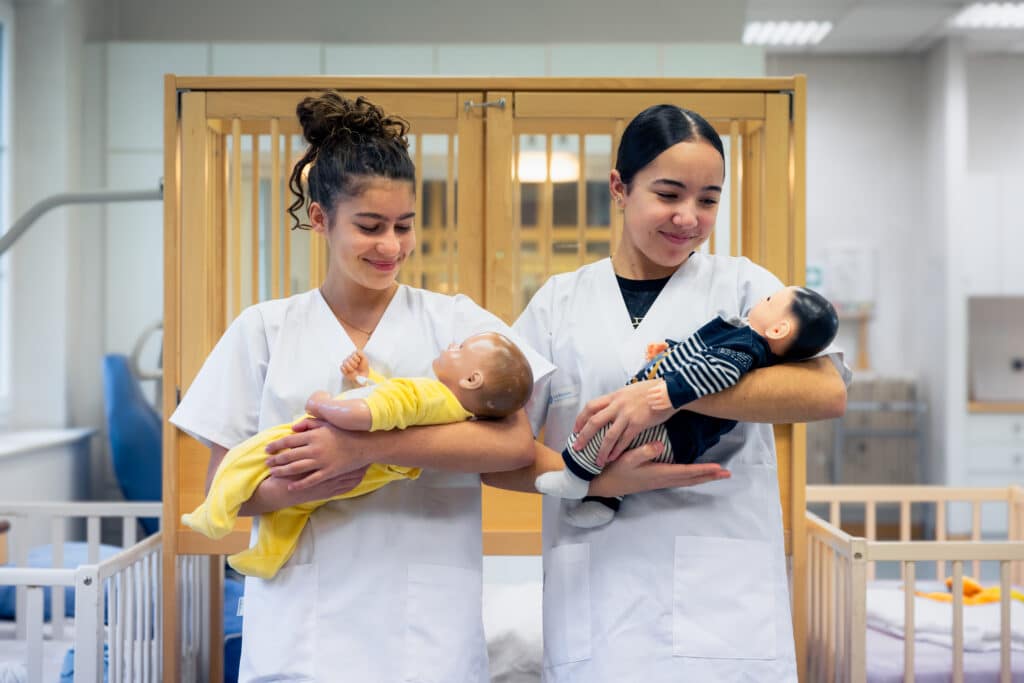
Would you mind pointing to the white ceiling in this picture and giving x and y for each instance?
(863, 26)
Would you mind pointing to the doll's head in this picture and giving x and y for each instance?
(487, 373)
(797, 322)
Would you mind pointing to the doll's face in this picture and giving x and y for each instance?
(459, 361)
(771, 310)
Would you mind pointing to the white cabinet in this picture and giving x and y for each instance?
(993, 456)
(990, 261)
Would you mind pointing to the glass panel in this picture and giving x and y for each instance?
(436, 233)
(565, 174)
(529, 205)
(597, 151)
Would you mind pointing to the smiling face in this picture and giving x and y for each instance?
(669, 209)
(371, 234)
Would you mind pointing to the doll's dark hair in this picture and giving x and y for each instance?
(350, 143)
(654, 130)
(817, 324)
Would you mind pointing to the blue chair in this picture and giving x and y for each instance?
(135, 431)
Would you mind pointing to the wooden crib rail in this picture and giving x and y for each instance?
(868, 498)
(839, 565)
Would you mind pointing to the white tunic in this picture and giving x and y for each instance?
(382, 588)
(685, 584)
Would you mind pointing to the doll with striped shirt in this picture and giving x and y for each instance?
(792, 324)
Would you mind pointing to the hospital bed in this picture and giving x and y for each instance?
(94, 613)
(863, 626)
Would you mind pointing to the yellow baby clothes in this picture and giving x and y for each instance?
(407, 401)
(396, 403)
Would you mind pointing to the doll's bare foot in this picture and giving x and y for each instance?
(355, 366)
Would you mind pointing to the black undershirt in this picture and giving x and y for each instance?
(639, 296)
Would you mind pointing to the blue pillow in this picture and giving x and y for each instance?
(75, 554)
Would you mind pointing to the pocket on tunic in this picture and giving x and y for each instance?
(567, 604)
(723, 599)
(444, 633)
(279, 637)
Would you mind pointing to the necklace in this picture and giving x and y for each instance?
(337, 315)
(368, 332)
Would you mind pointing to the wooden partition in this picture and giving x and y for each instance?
(511, 188)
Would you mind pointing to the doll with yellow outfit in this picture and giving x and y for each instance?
(485, 376)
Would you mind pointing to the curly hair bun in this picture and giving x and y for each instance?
(332, 118)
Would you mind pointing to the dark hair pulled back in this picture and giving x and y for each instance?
(350, 143)
(654, 130)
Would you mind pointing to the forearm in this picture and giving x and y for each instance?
(272, 494)
(352, 414)
(792, 392)
(522, 479)
(471, 446)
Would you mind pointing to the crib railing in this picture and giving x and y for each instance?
(117, 600)
(840, 566)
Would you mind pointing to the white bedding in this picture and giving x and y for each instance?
(513, 626)
(13, 653)
(933, 620)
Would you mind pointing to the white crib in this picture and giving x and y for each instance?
(118, 610)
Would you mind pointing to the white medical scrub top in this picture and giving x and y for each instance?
(685, 584)
(382, 588)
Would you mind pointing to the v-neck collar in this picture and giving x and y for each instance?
(631, 342)
(380, 341)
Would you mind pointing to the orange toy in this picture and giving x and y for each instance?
(974, 593)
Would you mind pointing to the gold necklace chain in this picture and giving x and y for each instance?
(368, 332)
(354, 327)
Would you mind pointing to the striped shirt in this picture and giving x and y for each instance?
(710, 360)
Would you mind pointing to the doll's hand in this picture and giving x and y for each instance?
(634, 473)
(657, 396)
(627, 413)
(315, 400)
(355, 366)
(317, 451)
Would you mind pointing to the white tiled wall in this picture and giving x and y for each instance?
(605, 60)
(275, 59)
(135, 88)
(380, 60)
(491, 60)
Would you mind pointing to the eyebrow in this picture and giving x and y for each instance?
(676, 183)
(381, 217)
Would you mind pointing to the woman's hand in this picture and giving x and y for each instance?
(629, 412)
(273, 493)
(634, 473)
(313, 455)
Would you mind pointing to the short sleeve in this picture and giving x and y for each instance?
(756, 283)
(223, 402)
(534, 326)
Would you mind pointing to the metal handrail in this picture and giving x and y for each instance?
(21, 225)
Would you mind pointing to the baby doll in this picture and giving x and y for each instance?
(485, 376)
(792, 324)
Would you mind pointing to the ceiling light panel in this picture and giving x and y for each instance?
(990, 15)
(785, 33)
